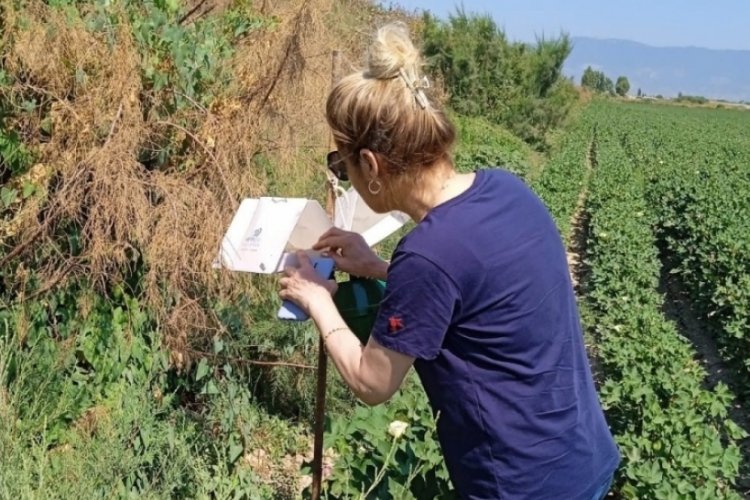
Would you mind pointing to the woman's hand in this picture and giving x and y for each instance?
(303, 285)
(352, 254)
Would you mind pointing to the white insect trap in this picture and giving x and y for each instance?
(266, 232)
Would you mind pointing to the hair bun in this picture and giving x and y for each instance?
(391, 51)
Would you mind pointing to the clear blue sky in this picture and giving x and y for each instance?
(719, 24)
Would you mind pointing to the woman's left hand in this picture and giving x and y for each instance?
(303, 286)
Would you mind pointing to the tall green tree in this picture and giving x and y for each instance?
(547, 62)
(598, 81)
(609, 86)
(622, 86)
(592, 79)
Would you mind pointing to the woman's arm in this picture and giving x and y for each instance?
(373, 372)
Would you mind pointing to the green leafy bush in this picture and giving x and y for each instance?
(389, 451)
(90, 406)
(516, 85)
(15, 158)
(692, 99)
(485, 144)
(597, 81)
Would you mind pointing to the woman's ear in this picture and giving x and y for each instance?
(369, 164)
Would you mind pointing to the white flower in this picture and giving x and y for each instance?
(397, 428)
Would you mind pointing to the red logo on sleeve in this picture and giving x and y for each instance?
(395, 323)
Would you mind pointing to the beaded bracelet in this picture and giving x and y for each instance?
(331, 332)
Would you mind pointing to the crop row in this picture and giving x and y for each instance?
(699, 187)
(675, 435)
(565, 175)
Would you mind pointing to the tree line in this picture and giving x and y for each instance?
(599, 82)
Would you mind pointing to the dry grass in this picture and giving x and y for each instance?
(172, 218)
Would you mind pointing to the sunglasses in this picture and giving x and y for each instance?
(337, 165)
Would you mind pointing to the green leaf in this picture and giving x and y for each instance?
(172, 5)
(218, 345)
(202, 370)
(8, 196)
(80, 76)
(235, 450)
(28, 189)
(28, 106)
(210, 388)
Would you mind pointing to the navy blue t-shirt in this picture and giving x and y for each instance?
(480, 294)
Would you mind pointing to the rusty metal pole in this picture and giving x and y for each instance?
(320, 395)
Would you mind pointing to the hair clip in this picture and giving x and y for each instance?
(417, 88)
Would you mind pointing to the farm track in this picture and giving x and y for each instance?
(679, 309)
(580, 270)
(579, 228)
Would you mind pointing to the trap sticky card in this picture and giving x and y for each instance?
(265, 232)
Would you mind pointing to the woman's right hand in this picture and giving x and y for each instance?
(352, 254)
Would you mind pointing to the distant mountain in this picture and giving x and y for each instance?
(717, 74)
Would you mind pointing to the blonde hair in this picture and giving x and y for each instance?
(385, 108)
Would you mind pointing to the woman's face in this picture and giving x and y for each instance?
(361, 169)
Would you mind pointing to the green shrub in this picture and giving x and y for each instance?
(482, 143)
(516, 85)
(372, 460)
(692, 99)
(90, 408)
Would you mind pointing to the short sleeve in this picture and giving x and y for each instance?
(418, 307)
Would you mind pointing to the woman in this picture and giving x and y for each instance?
(478, 298)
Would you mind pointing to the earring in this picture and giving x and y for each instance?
(374, 191)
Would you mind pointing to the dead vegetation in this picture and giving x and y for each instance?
(263, 133)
